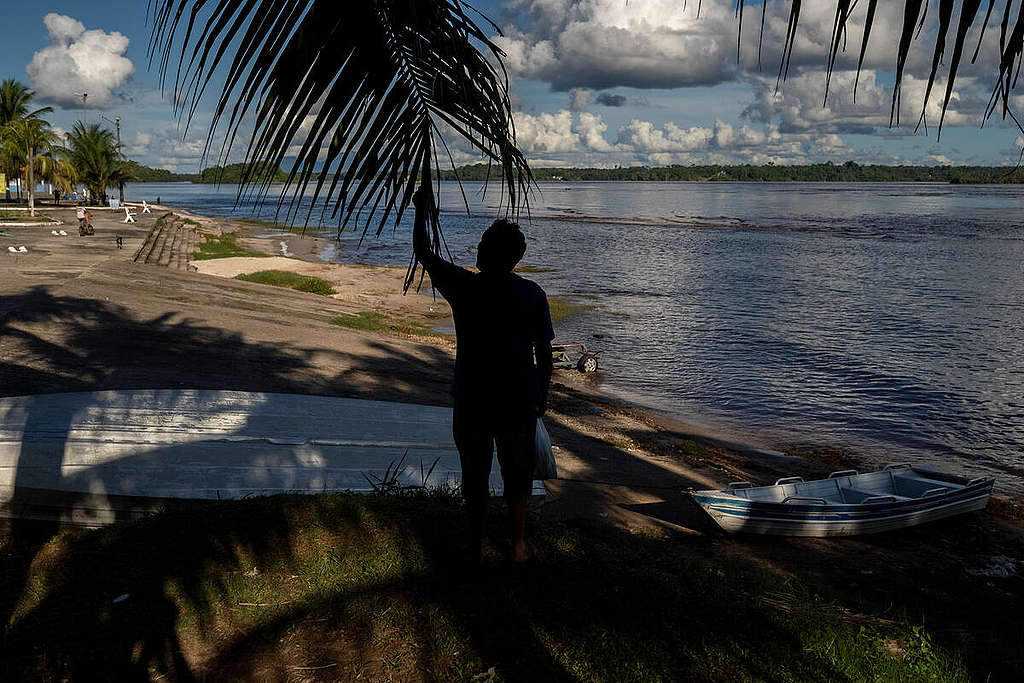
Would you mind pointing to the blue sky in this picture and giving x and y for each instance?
(595, 82)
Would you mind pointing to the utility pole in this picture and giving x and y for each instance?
(85, 116)
(120, 156)
(120, 184)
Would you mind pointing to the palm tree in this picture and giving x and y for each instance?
(15, 99)
(376, 88)
(26, 138)
(14, 102)
(55, 168)
(93, 152)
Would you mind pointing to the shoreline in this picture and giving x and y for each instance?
(779, 451)
(363, 288)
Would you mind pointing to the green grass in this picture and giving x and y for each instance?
(371, 321)
(300, 230)
(374, 586)
(562, 309)
(222, 246)
(283, 278)
(23, 217)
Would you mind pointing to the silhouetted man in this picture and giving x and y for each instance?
(502, 367)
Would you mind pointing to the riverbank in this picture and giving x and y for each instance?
(78, 315)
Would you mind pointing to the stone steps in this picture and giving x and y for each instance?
(171, 245)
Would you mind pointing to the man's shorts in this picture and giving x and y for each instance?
(477, 430)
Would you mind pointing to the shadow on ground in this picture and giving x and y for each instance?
(334, 587)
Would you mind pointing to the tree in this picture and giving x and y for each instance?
(31, 143)
(15, 100)
(369, 91)
(93, 152)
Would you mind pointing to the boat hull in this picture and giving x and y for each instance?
(95, 458)
(757, 517)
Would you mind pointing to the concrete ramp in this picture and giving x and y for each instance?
(93, 458)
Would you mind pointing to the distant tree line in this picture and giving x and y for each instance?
(145, 174)
(850, 172)
(232, 173)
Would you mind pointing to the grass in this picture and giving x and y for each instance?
(300, 230)
(373, 587)
(371, 321)
(222, 246)
(23, 217)
(562, 309)
(283, 278)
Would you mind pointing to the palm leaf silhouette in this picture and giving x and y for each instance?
(1011, 46)
(366, 91)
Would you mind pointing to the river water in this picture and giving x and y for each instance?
(887, 319)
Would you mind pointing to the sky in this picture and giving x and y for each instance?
(594, 83)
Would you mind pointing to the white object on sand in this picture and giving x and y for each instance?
(23, 249)
(145, 207)
(55, 233)
(129, 216)
(122, 453)
(63, 234)
(12, 250)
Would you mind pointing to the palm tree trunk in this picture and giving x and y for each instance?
(31, 184)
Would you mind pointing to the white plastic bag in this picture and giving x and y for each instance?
(544, 467)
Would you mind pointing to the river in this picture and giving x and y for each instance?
(881, 318)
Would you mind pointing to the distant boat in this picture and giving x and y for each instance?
(846, 503)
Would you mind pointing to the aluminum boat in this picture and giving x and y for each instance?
(846, 503)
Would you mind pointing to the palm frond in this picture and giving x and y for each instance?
(365, 90)
(915, 12)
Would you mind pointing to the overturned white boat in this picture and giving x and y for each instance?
(94, 458)
(845, 503)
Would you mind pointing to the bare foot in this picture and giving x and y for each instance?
(522, 553)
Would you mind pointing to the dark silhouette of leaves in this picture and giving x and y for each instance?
(365, 90)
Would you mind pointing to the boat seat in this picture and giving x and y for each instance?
(915, 487)
(851, 495)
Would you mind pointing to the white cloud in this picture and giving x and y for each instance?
(139, 145)
(799, 106)
(545, 133)
(79, 61)
(591, 131)
(605, 43)
(587, 45)
(567, 138)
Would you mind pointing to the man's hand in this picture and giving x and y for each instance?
(423, 200)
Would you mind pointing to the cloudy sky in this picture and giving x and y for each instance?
(595, 83)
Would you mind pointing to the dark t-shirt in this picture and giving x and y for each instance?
(498, 318)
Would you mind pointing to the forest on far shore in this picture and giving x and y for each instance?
(850, 172)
